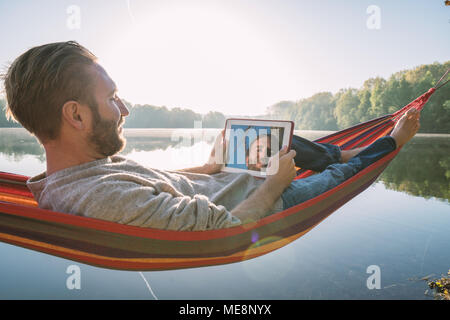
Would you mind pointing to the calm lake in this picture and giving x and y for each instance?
(399, 226)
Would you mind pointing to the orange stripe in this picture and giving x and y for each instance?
(18, 199)
(342, 142)
(380, 132)
(383, 133)
(338, 135)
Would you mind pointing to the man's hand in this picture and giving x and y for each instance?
(283, 174)
(260, 201)
(217, 157)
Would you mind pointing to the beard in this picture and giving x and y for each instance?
(105, 136)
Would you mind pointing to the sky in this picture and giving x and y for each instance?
(237, 57)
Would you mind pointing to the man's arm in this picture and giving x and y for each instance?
(215, 161)
(263, 199)
(258, 204)
(205, 169)
(130, 202)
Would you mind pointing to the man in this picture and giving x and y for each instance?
(59, 93)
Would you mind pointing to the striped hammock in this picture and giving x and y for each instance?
(116, 246)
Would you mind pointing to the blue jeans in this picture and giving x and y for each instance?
(334, 173)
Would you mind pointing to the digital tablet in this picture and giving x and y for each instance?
(253, 142)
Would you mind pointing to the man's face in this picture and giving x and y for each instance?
(259, 153)
(106, 135)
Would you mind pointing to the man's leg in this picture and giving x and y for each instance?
(304, 189)
(314, 156)
(348, 154)
(317, 156)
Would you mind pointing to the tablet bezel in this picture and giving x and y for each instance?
(286, 141)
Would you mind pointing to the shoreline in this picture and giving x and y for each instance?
(161, 131)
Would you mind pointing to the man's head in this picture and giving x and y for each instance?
(258, 153)
(59, 89)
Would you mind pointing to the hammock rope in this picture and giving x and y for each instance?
(115, 246)
(436, 85)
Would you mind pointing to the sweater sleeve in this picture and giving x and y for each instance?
(133, 204)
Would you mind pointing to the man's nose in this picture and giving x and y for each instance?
(123, 108)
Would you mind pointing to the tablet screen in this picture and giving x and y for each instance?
(252, 143)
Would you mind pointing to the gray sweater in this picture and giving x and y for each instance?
(120, 190)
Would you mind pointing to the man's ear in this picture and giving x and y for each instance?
(74, 114)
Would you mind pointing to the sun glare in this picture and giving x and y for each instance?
(201, 58)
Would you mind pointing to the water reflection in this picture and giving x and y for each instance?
(17, 143)
(422, 168)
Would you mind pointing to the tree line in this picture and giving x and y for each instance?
(322, 111)
(376, 97)
(149, 116)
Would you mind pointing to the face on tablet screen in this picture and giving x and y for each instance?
(250, 147)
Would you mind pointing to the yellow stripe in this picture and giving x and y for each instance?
(252, 252)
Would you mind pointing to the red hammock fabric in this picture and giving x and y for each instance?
(111, 245)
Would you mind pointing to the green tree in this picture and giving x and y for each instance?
(316, 112)
(213, 119)
(283, 110)
(362, 112)
(376, 98)
(346, 105)
(397, 93)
